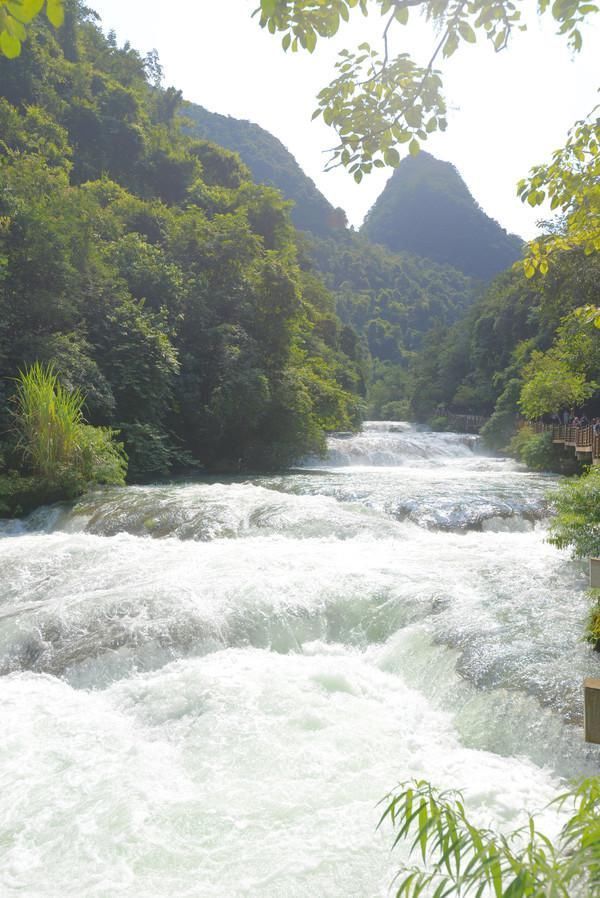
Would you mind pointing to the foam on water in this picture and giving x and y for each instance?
(208, 687)
(242, 773)
(396, 443)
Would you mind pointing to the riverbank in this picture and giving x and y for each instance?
(20, 495)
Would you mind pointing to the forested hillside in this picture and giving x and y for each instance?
(521, 333)
(391, 299)
(427, 209)
(272, 164)
(151, 271)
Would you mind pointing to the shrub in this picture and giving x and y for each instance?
(397, 410)
(536, 450)
(439, 423)
(58, 447)
(150, 453)
(100, 458)
(577, 521)
(592, 630)
(498, 431)
(19, 495)
(49, 420)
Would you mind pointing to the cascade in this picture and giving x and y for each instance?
(207, 687)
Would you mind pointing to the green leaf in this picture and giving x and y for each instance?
(16, 28)
(413, 116)
(310, 41)
(451, 45)
(423, 830)
(268, 7)
(10, 46)
(466, 32)
(55, 12)
(414, 148)
(391, 157)
(26, 10)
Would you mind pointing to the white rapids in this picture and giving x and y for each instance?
(207, 688)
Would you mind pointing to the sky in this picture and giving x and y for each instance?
(507, 111)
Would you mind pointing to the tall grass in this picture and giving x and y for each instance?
(49, 420)
(57, 445)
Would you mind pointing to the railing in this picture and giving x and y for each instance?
(582, 439)
(466, 423)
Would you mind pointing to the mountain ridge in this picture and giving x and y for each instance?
(427, 209)
(271, 163)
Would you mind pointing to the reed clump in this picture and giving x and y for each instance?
(56, 444)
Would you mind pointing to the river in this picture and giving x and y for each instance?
(208, 687)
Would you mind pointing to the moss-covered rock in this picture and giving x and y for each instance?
(21, 495)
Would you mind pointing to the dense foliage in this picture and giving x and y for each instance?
(501, 359)
(391, 299)
(270, 163)
(152, 272)
(576, 525)
(536, 450)
(58, 446)
(458, 858)
(561, 378)
(571, 182)
(427, 209)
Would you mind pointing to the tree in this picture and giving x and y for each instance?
(149, 270)
(377, 100)
(16, 14)
(576, 525)
(552, 385)
(561, 377)
(572, 184)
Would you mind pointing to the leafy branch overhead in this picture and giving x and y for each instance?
(15, 15)
(571, 182)
(378, 99)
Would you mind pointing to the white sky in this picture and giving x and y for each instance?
(508, 110)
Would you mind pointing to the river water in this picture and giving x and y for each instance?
(208, 687)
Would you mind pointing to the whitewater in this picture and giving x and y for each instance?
(207, 688)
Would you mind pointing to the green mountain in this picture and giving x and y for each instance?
(152, 273)
(427, 209)
(391, 299)
(272, 164)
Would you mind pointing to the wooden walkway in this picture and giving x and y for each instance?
(582, 440)
(466, 423)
